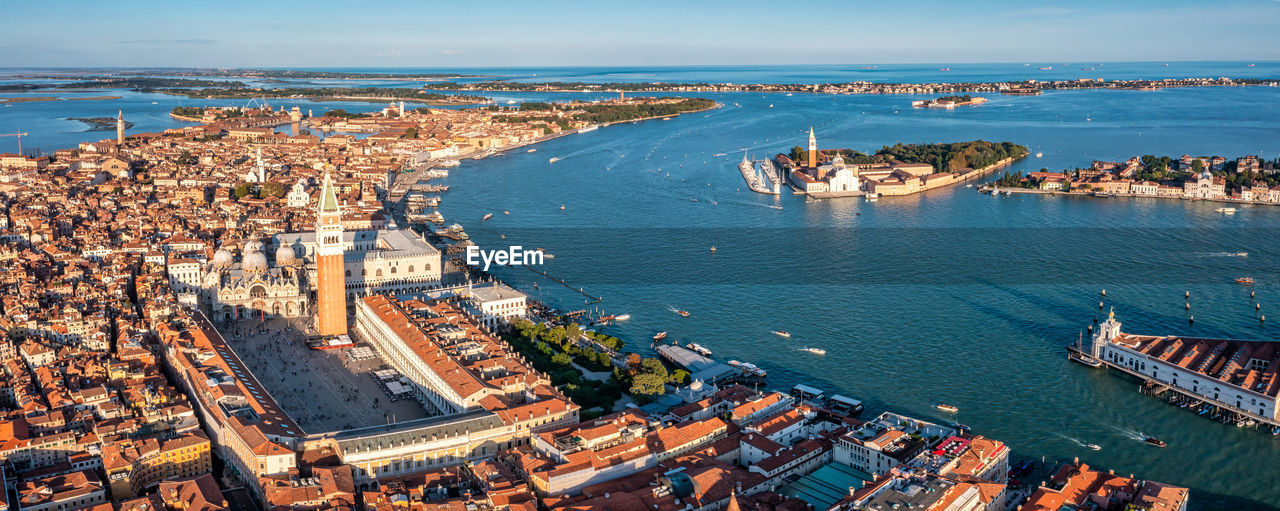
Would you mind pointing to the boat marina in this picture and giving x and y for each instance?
(765, 182)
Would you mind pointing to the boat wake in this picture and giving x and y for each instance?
(1131, 434)
(1224, 254)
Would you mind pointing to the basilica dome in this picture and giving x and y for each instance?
(254, 259)
(222, 258)
(286, 256)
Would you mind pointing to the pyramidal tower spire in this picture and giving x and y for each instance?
(813, 149)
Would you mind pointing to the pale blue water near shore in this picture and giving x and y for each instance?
(945, 296)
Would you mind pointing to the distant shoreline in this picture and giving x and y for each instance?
(35, 99)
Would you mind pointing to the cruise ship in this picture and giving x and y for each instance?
(588, 128)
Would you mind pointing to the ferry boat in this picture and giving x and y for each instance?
(783, 333)
(699, 349)
(1248, 281)
(1226, 211)
(589, 128)
(815, 351)
(946, 408)
(1153, 441)
(659, 336)
(683, 313)
(1094, 447)
(749, 368)
(487, 216)
(553, 160)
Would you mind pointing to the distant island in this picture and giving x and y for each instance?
(949, 102)
(900, 169)
(372, 94)
(1013, 87)
(1248, 179)
(100, 123)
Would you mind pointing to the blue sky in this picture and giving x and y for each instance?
(424, 33)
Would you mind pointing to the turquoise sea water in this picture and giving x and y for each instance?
(944, 296)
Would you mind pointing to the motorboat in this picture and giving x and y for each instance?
(659, 336)
(487, 216)
(1153, 441)
(683, 313)
(946, 408)
(783, 333)
(815, 351)
(1226, 211)
(1094, 447)
(622, 317)
(1248, 281)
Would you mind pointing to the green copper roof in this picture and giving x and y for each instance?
(328, 198)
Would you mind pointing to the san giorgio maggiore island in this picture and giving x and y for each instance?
(228, 292)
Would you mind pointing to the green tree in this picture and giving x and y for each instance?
(411, 133)
(242, 190)
(798, 154)
(679, 376)
(1197, 165)
(655, 367)
(648, 385)
(561, 359)
(270, 189)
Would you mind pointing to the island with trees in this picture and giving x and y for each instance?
(1247, 179)
(371, 94)
(949, 101)
(900, 169)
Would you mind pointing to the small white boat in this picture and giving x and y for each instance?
(622, 317)
(505, 212)
(946, 408)
(1038, 155)
(815, 351)
(1094, 447)
(562, 207)
(788, 94)
(532, 151)
(713, 249)
(782, 333)
(553, 160)
(1226, 211)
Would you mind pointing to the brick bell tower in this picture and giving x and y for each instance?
(331, 295)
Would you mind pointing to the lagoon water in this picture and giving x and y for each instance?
(947, 296)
